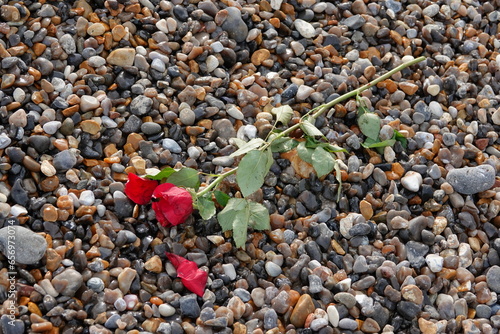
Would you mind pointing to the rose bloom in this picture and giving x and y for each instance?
(172, 205)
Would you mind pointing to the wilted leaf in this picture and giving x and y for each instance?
(322, 161)
(283, 114)
(186, 177)
(247, 147)
(252, 171)
(310, 129)
(304, 152)
(369, 124)
(283, 144)
(259, 216)
(206, 207)
(221, 197)
(163, 174)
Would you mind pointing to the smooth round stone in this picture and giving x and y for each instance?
(333, 315)
(71, 279)
(29, 247)
(304, 28)
(121, 305)
(171, 145)
(229, 270)
(150, 128)
(349, 324)
(493, 278)
(64, 160)
(235, 113)
(96, 61)
(234, 25)
(87, 197)
(88, 103)
(166, 310)
(272, 269)
(471, 180)
(96, 284)
(412, 181)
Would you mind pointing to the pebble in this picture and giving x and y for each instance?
(471, 180)
(305, 28)
(412, 181)
(29, 247)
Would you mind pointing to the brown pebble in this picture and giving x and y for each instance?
(154, 264)
(302, 309)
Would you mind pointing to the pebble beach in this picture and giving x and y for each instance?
(94, 90)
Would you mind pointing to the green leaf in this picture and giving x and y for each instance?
(240, 227)
(259, 216)
(227, 216)
(221, 197)
(164, 173)
(251, 145)
(310, 129)
(304, 152)
(252, 171)
(186, 177)
(400, 138)
(370, 144)
(338, 176)
(283, 114)
(206, 207)
(369, 124)
(283, 144)
(322, 161)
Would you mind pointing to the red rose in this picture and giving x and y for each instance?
(172, 205)
(192, 278)
(140, 190)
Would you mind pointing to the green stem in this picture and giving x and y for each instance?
(216, 182)
(323, 108)
(318, 112)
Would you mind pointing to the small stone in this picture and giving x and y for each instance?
(121, 57)
(333, 315)
(302, 309)
(141, 105)
(471, 180)
(64, 160)
(88, 103)
(125, 279)
(171, 145)
(492, 278)
(305, 28)
(154, 264)
(166, 310)
(412, 181)
(234, 24)
(29, 247)
(70, 279)
(90, 126)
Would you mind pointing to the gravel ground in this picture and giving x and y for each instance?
(94, 90)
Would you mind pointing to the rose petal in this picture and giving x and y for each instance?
(197, 283)
(139, 189)
(192, 278)
(174, 205)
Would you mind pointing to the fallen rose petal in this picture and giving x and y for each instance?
(173, 206)
(192, 278)
(139, 189)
